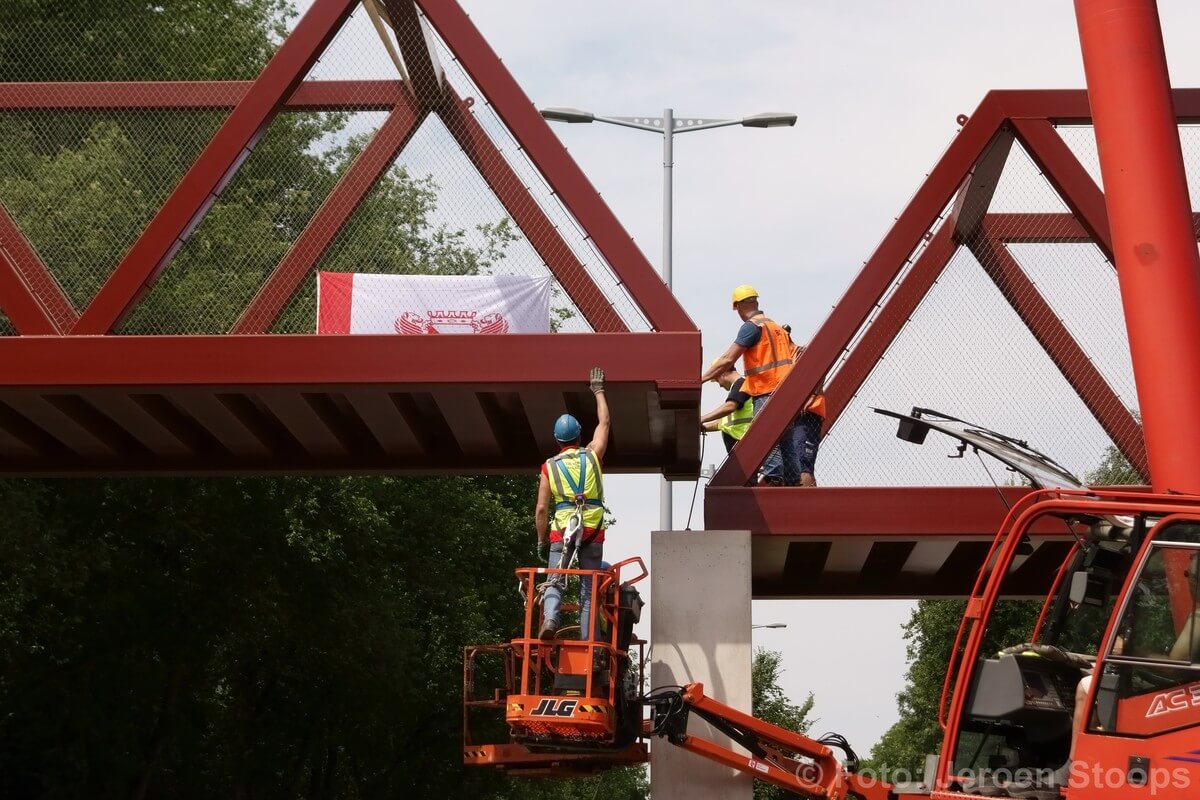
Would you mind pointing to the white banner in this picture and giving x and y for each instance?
(416, 304)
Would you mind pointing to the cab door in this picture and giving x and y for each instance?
(1142, 735)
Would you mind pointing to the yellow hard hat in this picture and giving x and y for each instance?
(743, 292)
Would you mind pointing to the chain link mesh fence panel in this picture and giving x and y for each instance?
(252, 225)
(460, 197)
(970, 350)
(82, 185)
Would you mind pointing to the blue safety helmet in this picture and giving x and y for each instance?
(566, 429)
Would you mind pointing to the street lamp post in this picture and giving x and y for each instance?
(668, 127)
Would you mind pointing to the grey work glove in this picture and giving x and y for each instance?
(543, 552)
(597, 380)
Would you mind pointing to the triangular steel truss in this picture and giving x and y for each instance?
(77, 398)
(36, 304)
(966, 175)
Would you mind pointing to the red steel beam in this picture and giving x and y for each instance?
(1037, 228)
(17, 300)
(42, 285)
(1046, 228)
(870, 511)
(425, 74)
(975, 197)
(351, 95)
(1068, 177)
(896, 311)
(207, 176)
(331, 217)
(1158, 266)
(565, 177)
(412, 363)
(864, 293)
(1064, 351)
(529, 216)
(1071, 107)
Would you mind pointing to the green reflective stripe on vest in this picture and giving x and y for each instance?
(736, 423)
(571, 472)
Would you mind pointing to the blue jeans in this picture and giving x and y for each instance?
(783, 463)
(590, 557)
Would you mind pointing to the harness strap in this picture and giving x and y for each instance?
(559, 472)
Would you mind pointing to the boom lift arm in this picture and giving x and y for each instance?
(778, 756)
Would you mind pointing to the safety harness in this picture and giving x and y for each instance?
(578, 500)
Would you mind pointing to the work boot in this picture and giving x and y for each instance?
(549, 629)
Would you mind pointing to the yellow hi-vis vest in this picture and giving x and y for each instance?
(575, 478)
(736, 422)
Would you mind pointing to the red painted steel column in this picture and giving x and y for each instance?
(1151, 218)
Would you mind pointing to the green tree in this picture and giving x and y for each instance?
(245, 638)
(930, 634)
(1114, 470)
(771, 704)
(82, 184)
(255, 638)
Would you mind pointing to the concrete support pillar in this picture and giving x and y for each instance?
(700, 631)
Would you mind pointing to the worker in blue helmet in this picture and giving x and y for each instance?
(572, 485)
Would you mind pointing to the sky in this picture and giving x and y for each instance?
(795, 212)
(877, 87)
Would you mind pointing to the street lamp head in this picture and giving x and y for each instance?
(568, 115)
(769, 120)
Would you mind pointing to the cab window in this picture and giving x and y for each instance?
(1152, 668)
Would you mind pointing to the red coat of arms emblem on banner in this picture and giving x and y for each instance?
(410, 322)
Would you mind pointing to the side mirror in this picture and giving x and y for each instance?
(911, 430)
(1087, 589)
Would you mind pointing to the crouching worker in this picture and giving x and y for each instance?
(570, 494)
(732, 418)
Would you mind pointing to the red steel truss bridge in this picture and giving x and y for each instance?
(993, 298)
(161, 228)
(182, 343)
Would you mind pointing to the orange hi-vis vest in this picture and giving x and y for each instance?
(769, 361)
(816, 400)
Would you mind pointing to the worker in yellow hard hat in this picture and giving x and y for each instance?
(732, 418)
(766, 352)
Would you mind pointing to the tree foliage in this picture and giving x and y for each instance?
(930, 634)
(770, 704)
(1114, 470)
(83, 184)
(254, 638)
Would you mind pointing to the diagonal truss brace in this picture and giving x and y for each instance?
(974, 159)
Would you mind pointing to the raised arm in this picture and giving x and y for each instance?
(599, 441)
